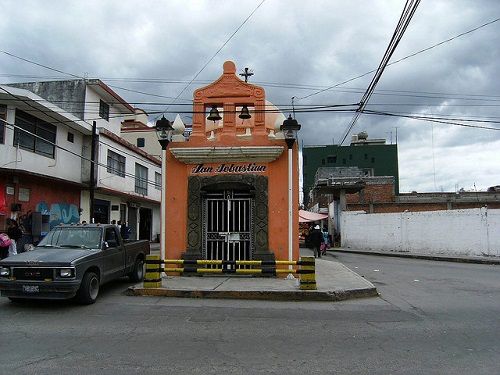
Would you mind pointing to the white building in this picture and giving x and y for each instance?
(61, 114)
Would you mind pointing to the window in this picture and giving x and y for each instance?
(141, 179)
(42, 138)
(141, 142)
(350, 156)
(71, 137)
(3, 117)
(344, 161)
(116, 164)
(103, 110)
(157, 181)
(373, 160)
(24, 195)
(366, 156)
(110, 237)
(322, 161)
(331, 159)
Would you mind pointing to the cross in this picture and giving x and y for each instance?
(248, 73)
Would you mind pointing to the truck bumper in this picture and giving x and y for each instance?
(39, 289)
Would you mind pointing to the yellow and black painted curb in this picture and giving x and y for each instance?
(306, 272)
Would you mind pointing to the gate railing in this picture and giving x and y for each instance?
(306, 269)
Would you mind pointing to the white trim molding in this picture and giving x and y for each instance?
(198, 155)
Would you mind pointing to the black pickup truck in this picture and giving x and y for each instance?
(72, 261)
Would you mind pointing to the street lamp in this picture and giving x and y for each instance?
(164, 131)
(290, 128)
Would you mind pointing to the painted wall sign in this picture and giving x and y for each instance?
(228, 168)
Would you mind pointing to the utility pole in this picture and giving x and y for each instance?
(92, 170)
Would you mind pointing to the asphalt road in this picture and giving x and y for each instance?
(431, 318)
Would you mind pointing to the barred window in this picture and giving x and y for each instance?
(157, 181)
(116, 164)
(104, 110)
(34, 135)
(141, 179)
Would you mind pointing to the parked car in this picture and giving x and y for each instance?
(73, 261)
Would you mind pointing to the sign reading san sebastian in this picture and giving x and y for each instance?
(227, 168)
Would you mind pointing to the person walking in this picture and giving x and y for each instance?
(15, 234)
(316, 238)
(326, 241)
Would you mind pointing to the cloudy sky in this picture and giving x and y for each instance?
(296, 49)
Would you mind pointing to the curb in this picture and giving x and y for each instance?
(311, 295)
(419, 256)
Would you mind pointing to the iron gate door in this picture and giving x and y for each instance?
(228, 223)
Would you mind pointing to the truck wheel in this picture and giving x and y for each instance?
(89, 289)
(137, 273)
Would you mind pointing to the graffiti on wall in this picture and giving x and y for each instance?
(60, 213)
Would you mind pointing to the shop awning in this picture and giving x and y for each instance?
(307, 216)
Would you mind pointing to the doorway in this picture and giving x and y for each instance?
(145, 218)
(132, 222)
(228, 226)
(101, 211)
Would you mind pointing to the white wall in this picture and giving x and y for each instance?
(116, 117)
(65, 165)
(125, 184)
(472, 232)
(151, 144)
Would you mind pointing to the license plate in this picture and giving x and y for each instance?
(31, 289)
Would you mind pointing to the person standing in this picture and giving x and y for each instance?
(5, 242)
(316, 238)
(125, 231)
(15, 234)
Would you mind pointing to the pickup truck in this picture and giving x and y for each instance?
(72, 261)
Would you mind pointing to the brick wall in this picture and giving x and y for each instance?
(372, 193)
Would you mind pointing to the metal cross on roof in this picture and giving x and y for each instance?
(247, 73)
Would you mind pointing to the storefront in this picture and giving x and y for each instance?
(37, 203)
(227, 187)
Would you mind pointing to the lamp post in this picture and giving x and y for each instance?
(290, 128)
(164, 131)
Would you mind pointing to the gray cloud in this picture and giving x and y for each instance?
(317, 44)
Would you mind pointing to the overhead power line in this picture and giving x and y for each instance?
(13, 126)
(43, 66)
(437, 120)
(403, 58)
(217, 52)
(404, 21)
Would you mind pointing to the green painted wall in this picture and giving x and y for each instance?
(383, 159)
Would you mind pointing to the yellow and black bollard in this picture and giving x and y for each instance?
(308, 280)
(152, 278)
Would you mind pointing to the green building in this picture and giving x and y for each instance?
(373, 156)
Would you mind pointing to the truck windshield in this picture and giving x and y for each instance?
(85, 238)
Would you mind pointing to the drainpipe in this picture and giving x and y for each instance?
(92, 170)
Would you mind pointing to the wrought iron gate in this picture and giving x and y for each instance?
(228, 226)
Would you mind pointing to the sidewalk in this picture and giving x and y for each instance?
(439, 257)
(335, 282)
